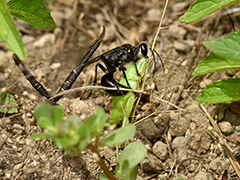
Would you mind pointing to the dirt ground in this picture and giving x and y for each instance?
(177, 131)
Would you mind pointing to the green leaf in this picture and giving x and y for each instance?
(226, 46)
(96, 123)
(85, 137)
(131, 156)
(102, 176)
(42, 136)
(129, 174)
(214, 63)
(74, 119)
(221, 91)
(7, 103)
(119, 136)
(123, 105)
(132, 75)
(202, 8)
(33, 12)
(57, 115)
(178, 178)
(45, 123)
(8, 32)
(64, 142)
(43, 110)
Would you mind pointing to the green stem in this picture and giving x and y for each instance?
(101, 162)
(103, 165)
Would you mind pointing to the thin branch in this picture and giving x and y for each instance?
(96, 88)
(160, 24)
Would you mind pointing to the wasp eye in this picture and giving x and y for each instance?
(144, 49)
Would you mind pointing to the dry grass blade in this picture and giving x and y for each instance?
(160, 24)
(223, 142)
(96, 88)
(155, 38)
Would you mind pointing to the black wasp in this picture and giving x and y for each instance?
(113, 59)
(117, 58)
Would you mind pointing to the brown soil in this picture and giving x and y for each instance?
(172, 125)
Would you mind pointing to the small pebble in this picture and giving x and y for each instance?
(151, 164)
(154, 13)
(204, 83)
(183, 45)
(226, 127)
(58, 17)
(177, 31)
(162, 176)
(178, 124)
(27, 39)
(55, 66)
(45, 39)
(9, 140)
(160, 150)
(149, 130)
(179, 141)
(218, 165)
(33, 97)
(18, 126)
(203, 176)
(4, 137)
(145, 106)
(28, 114)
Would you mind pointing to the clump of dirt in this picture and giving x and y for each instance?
(180, 139)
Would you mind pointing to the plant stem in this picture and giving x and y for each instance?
(103, 165)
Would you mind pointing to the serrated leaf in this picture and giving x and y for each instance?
(119, 136)
(7, 103)
(226, 46)
(215, 63)
(221, 91)
(57, 115)
(33, 12)
(9, 33)
(202, 8)
(131, 156)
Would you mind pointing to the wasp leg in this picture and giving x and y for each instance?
(123, 69)
(108, 81)
(95, 77)
(137, 69)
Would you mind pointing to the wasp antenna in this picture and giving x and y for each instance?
(160, 60)
(153, 69)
